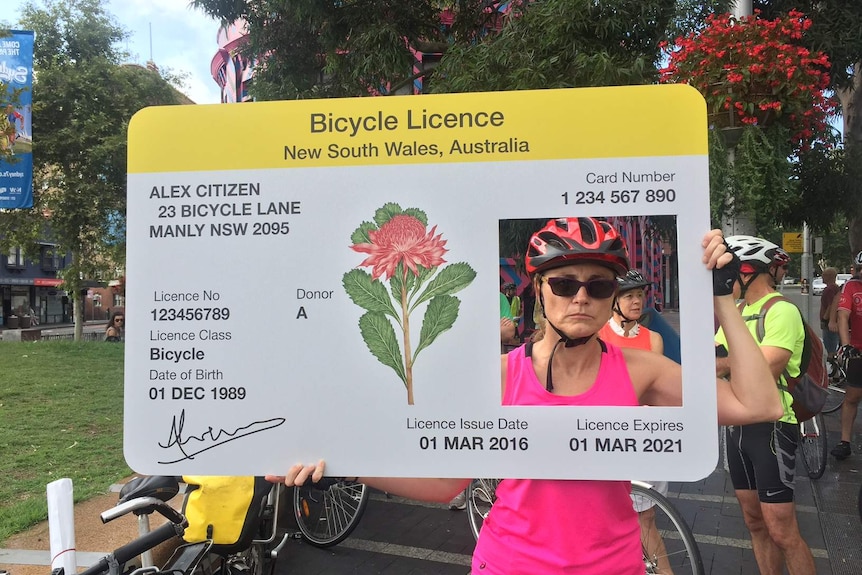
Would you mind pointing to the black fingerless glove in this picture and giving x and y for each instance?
(724, 278)
(846, 352)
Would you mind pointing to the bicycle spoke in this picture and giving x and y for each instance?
(668, 544)
(812, 446)
(326, 517)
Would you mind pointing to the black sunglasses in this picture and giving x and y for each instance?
(568, 287)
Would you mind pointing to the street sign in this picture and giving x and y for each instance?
(792, 242)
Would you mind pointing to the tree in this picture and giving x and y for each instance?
(83, 99)
(364, 47)
(563, 44)
(316, 49)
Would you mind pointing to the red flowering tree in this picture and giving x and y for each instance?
(402, 251)
(767, 97)
(755, 72)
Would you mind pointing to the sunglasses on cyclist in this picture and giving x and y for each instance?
(596, 288)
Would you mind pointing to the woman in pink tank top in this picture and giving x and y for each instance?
(585, 527)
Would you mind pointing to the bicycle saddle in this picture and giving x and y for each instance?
(159, 486)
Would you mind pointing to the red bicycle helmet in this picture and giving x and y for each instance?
(572, 240)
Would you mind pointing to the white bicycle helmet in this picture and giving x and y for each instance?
(756, 254)
(858, 260)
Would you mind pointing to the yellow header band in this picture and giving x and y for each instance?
(628, 121)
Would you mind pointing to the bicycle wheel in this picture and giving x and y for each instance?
(812, 443)
(481, 495)
(835, 397)
(326, 515)
(669, 543)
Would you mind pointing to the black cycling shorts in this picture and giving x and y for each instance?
(762, 457)
(854, 372)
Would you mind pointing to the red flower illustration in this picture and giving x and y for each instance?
(402, 239)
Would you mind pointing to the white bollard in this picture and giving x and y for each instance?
(61, 526)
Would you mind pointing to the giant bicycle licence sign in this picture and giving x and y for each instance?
(320, 279)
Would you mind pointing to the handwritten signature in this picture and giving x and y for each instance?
(210, 438)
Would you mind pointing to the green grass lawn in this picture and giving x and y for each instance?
(61, 415)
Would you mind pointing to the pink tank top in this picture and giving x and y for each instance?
(541, 526)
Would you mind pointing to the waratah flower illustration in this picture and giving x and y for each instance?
(402, 240)
(397, 243)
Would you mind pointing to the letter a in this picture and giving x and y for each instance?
(301, 313)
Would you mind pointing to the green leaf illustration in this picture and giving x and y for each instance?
(440, 315)
(451, 279)
(386, 213)
(360, 236)
(418, 214)
(380, 338)
(424, 275)
(367, 293)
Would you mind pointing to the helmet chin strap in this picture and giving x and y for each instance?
(564, 339)
(743, 285)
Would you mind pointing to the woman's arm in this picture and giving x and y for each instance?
(833, 312)
(751, 395)
(422, 489)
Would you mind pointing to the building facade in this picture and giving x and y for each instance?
(31, 289)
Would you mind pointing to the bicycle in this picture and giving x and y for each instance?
(837, 379)
(812, 444)
(326, 512)
(676, 542)
(258, 543)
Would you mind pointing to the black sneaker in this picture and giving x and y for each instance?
(841, 451)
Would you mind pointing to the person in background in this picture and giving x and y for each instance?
(588, 527)
(508, 327)
(623, 329)
(116, 329)
(850, 354)
(762, 456)
(830, 336)
(510, 291)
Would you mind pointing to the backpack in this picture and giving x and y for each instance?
(810, 388)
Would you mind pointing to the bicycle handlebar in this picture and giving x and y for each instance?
(163, 508)
(136, 547)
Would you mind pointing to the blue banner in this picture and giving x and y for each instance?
(16, 134)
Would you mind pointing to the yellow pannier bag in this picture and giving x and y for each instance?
(224, 509)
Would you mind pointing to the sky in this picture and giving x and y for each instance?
(183, 39)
